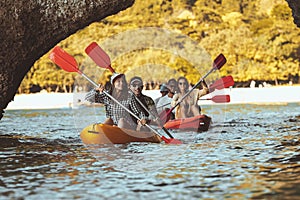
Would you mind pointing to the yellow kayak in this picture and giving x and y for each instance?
(107, 134)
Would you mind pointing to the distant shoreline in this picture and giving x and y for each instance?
(264, 95)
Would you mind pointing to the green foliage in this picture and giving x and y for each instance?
(258, 38)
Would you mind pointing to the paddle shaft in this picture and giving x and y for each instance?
(115, 100)
(164, 105)
(125, 108)
(100, 57)
(219, 84)
(150, 113)
(69, 64)
(189, 92)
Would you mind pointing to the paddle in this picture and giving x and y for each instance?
(100, 57)
(215, 99)
(219, 61)
(219, 84)
(69, 64)
(155, 116)
(219, 99)
(222, 83)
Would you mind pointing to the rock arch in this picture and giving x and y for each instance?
(295, 6)
(31, 28)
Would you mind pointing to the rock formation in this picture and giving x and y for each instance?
(31, 28)
(295, 6)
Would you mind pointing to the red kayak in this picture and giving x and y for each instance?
(198, 123)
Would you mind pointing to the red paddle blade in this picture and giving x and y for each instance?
(221, 99)
(219, 61)
(63, 60)
(222, 83)
(171, 140)
(165, 115)
(99, 56)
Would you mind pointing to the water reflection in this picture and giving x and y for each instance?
(253, 154)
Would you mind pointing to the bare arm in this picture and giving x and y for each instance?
(175, 100)
(95, 95)
(204, 89)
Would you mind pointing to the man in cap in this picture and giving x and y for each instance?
(148, 105)
(115, 113)
(164, 90)
(163, 104)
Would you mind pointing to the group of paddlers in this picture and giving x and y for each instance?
(125, 104)
(118, 94)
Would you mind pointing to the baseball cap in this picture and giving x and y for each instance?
(136, 79)
(164, 88)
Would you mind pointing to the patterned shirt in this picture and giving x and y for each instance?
(92, 97)
(149, 104)
(114, 110)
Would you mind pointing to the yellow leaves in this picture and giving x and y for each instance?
(281, 12)
(233, 18)
(257, 37)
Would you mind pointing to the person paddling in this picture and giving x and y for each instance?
(115, 114)
(163, 103)
(172, 85)
(164, 90)
(189, 106)
(148, 108)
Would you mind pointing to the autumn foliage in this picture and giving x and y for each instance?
(258, 38)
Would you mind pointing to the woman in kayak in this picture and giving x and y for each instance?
(189, 106)
(116, 115)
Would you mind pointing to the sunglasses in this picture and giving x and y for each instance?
(182, 83)
(136, 85)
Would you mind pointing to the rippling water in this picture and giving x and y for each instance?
(253, 153)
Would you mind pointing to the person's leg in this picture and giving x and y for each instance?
(122, 123)
(140, 127)
(195, 110)
(108, 121)
(183, 110)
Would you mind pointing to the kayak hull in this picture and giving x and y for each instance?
(107, 134)
(198, 123)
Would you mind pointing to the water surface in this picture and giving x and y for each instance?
(250, 152)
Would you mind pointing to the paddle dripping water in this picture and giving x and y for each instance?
(240, 158)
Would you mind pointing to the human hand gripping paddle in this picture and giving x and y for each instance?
(219, 61)
(69, 64)
(100, 57)
(224, 82)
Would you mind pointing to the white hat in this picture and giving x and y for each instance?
(114, 77)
